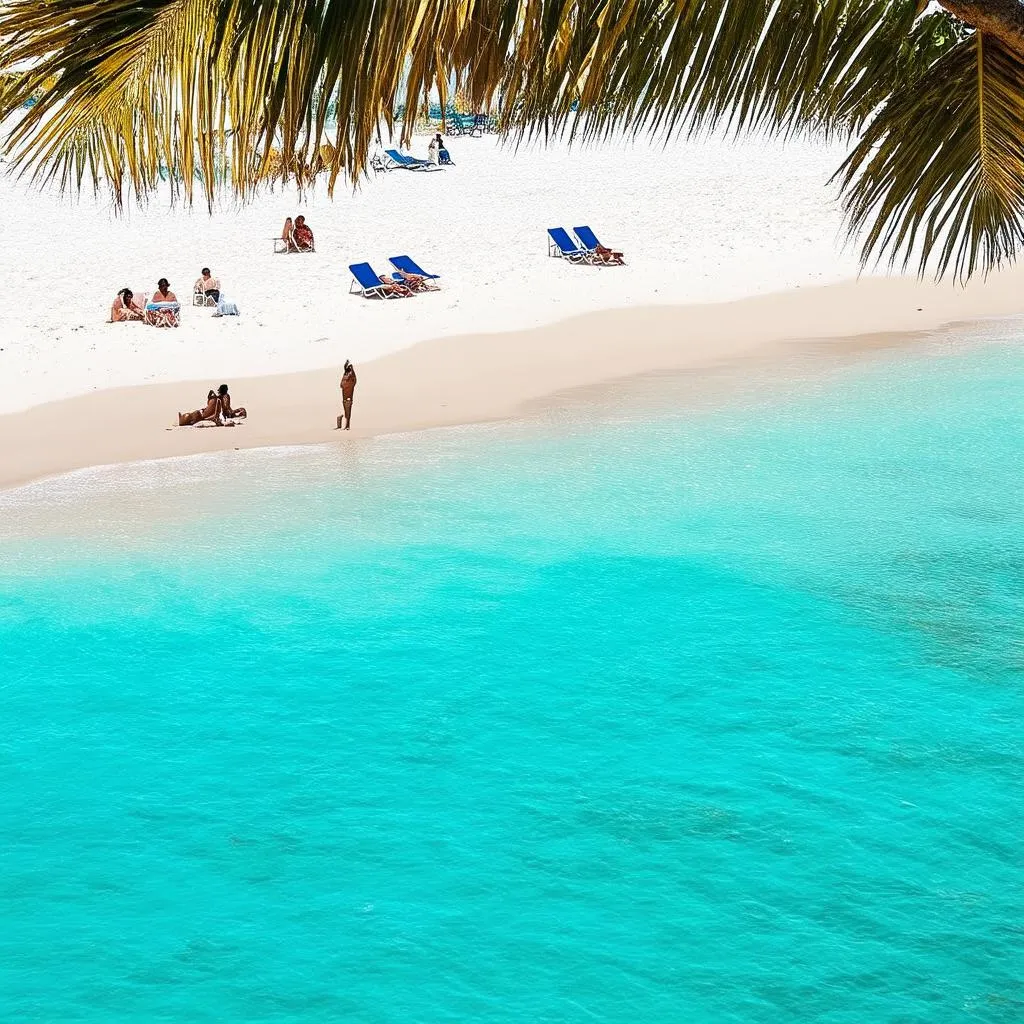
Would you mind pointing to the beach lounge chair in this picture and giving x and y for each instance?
(589, 241)
(407, 265)
(367, 284)
(409, 163)
(562, 246)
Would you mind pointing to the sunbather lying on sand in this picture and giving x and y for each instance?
(126, 307)
(602, 254)
(393, 287)
(218, 409)
(211, 414)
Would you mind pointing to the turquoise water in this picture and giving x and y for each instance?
(628, 716)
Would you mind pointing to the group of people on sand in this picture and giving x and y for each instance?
(297, 235)
(219, 411)
(160, 311)
(163, 308)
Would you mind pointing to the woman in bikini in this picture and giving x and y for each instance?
(225, 405)
(212, 412)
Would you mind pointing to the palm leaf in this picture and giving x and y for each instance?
(144, 85)
(939, 173)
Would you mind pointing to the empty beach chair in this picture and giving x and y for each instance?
(561, 245)
(410, 163)
(407, 265)
(368, 284)
(589, 241)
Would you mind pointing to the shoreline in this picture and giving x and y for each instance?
(463, 379)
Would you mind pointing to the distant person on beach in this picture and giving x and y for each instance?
(303, 235)
(126, 307)
(443, 156)
(162, 310)
(606, 255)
(225, 405)
(288, 235)
(434, 150)
(390, 285)
(417, 282)
(208, 285)
(211, 414)
(348, 390)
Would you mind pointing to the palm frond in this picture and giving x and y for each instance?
(938, 175)
(160, 81)
(287, 89)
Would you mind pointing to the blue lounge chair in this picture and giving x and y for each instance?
(410, 163)
(367, 284)
(561, 245)
(589, 241)
(407, 265)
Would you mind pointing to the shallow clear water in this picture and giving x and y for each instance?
(627, 716)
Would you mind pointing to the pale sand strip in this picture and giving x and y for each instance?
(473, 378)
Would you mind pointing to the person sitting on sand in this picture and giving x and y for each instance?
(211, 414)
(207, 285)
(302, 235)
(605, 255)
(393, 287)
(226, 409)
(162, 310)
(126, 307)
(443, 156)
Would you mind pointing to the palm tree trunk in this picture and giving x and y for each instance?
(1001, 19)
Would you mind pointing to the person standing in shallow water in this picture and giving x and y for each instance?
(348, 389)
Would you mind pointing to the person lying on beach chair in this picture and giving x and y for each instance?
(162, 310)
(226, 409)
(211, 414)
(394, 287)
(126, 307)
(602, 254)
(416, 282)
(596, 252)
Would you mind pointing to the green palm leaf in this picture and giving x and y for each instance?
(939, 173)
(138, 86)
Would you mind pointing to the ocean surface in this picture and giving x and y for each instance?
(626, 713)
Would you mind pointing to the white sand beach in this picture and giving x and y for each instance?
(707, 228)
(702, 221)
